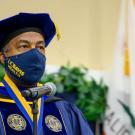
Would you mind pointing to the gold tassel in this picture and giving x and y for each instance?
(57, 31)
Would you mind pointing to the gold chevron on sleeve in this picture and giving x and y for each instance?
(1, 84)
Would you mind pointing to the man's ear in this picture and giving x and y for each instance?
(1, 57)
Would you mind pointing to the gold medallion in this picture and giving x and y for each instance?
(53, 123)
(16, 122)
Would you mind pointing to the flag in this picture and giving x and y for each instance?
(117, 121)
(131, 43)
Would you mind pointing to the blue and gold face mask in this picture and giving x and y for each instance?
(26, 68)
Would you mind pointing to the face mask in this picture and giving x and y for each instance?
(26, 68)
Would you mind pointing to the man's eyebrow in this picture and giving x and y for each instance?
(26, 41)
(23, 41)
(41, 42)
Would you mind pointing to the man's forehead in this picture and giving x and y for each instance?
(30, 36)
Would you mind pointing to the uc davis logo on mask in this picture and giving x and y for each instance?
(15, 69)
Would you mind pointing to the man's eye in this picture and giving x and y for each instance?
(23, 46)
(40, 47)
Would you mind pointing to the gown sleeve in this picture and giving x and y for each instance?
(2, 131)
(2, 128)
(74, 120)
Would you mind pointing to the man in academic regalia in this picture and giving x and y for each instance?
(23, 39)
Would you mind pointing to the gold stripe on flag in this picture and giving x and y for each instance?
(126, 61)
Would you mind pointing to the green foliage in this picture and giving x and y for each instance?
(91, 96)
(2, 72)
